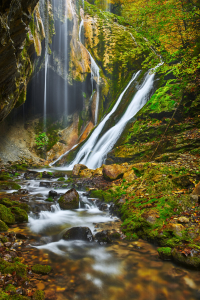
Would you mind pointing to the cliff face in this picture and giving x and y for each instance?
(16, 52)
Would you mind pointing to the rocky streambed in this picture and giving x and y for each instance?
(83, 251)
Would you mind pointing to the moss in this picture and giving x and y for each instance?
(4, 239)
(5, 177)
(41, 269)
(61, 179)
(9, 268)
(10, 288)
(18, 297)
(190, 261)
(9, 186)
(39, 295)
(3, 226)
(96, 194)
(20, 214)
(165, 253)
(4, 296)
(6, 215)
(9, 203)
(50, 199)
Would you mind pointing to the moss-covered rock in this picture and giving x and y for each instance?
(41, 269)
(9, 268)
(6, 215)
(165, 253)
(20, 214)
(5, 185)
(3, 226)
(192, 261)
(70, 200)
(9, 203)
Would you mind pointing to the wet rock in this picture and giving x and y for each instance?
(77, 168)
(70, 200)
(78, 233)
(103, 237)
(46, 184)
(191, 260)
(53, 193)
(103, 207)
(30, 174)
(113, 172)
(21, 236)
(47, 175)
(23, 191)
(8, 244)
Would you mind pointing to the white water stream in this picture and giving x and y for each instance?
(94, 151)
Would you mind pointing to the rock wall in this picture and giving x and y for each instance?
(17, 49)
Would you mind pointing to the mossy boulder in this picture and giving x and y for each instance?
(39, 295)
(78, 233)
(3, 226)
(6, 215)
(5, 185)
(113, 172)
(77, 168)
(192, 261)
(9, 203)
(70, 200)
(41, 269)
(20, 214)
(165, 253)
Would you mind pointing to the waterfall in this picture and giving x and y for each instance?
(94, 73)
(85, 152)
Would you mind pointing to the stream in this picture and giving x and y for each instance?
(87, 270)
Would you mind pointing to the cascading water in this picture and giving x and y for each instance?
(93, 153)
(94, 73)
(84, 152)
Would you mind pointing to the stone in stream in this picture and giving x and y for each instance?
(70, 200)
(103, 237)
(78, 233)
(77, 168)
(53, 193)
(113, 172)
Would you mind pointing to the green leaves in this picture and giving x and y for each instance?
(41, 140)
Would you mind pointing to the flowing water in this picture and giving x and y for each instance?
(93, 153)
(90, 271)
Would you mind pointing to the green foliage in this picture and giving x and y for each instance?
(41, 140)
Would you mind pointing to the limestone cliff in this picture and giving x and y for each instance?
(17, 48)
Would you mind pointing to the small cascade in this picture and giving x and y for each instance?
(94, 73)
(85, 151)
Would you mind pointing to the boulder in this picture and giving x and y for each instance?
(78, 233)
(196, 190)
(129, 176)
(70, 200)
(53, 193)
(103, 237)
(87, 173)
(175, 228)
(77, 168)
(113, 172)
